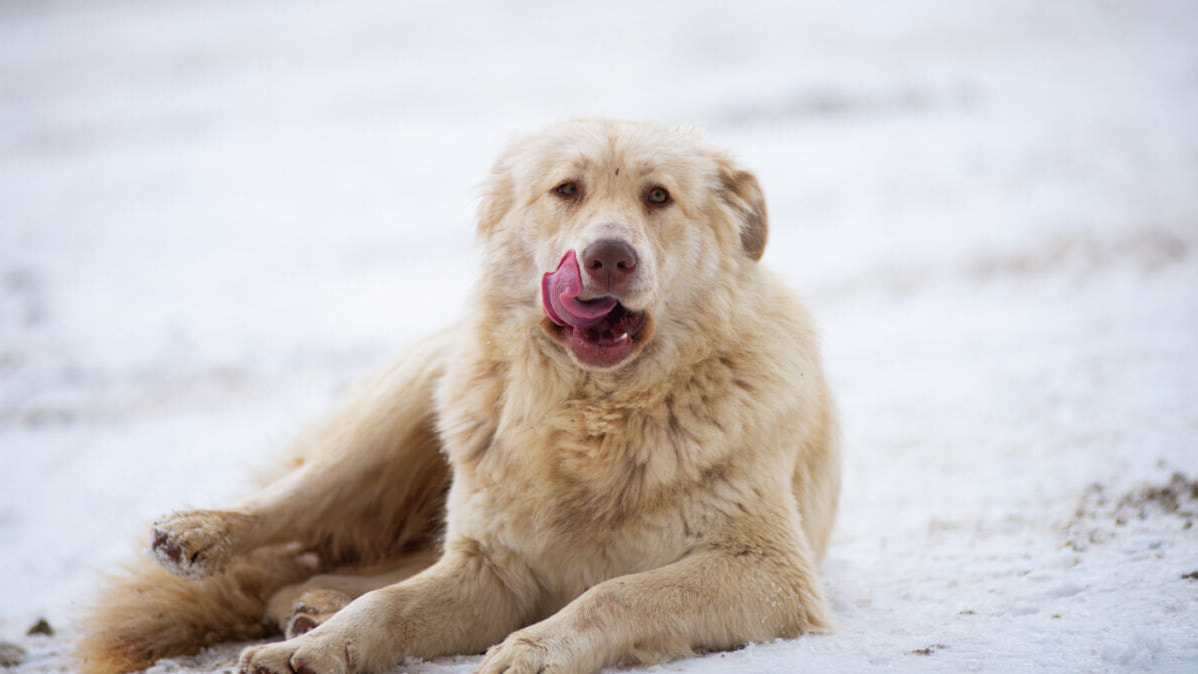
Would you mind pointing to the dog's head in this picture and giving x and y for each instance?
(606, 232)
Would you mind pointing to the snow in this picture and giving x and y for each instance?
(214, 217)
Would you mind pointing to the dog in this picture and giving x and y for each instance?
(627, 452)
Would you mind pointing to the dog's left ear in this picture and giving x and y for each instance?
(743, 194)
(496, 199)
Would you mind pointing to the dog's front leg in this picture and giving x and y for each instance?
(464, 603)
(715, 599)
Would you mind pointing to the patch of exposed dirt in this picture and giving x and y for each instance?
(42, 627)
(11, 655)
(1100, 516)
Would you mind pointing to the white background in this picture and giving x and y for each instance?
(215, 216)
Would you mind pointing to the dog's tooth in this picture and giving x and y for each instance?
(622, 337)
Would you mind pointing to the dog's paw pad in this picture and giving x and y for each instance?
(313, 608)
(301, 623)
(196, 543)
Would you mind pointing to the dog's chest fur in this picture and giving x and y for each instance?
(599, 482)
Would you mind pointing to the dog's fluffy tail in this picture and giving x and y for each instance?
(145, 613)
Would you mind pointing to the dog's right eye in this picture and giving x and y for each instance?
(568, 190)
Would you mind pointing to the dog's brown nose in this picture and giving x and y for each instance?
(610, 263)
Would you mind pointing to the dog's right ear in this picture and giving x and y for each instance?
(496, 199)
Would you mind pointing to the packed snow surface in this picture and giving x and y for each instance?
(215, 216)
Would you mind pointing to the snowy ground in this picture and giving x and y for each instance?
(214, 216)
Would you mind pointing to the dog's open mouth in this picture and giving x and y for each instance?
(600, 332)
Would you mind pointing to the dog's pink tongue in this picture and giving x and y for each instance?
(559, 293)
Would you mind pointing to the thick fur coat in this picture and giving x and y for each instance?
(626, 452)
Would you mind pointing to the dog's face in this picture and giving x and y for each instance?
(623, 228)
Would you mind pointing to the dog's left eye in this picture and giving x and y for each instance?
(568, 190)
(657, 196)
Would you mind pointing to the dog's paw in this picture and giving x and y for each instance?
(527, 652)
(313, 608)
(307, 654)
(197, 543)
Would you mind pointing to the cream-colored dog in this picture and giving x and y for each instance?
(626, 452)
